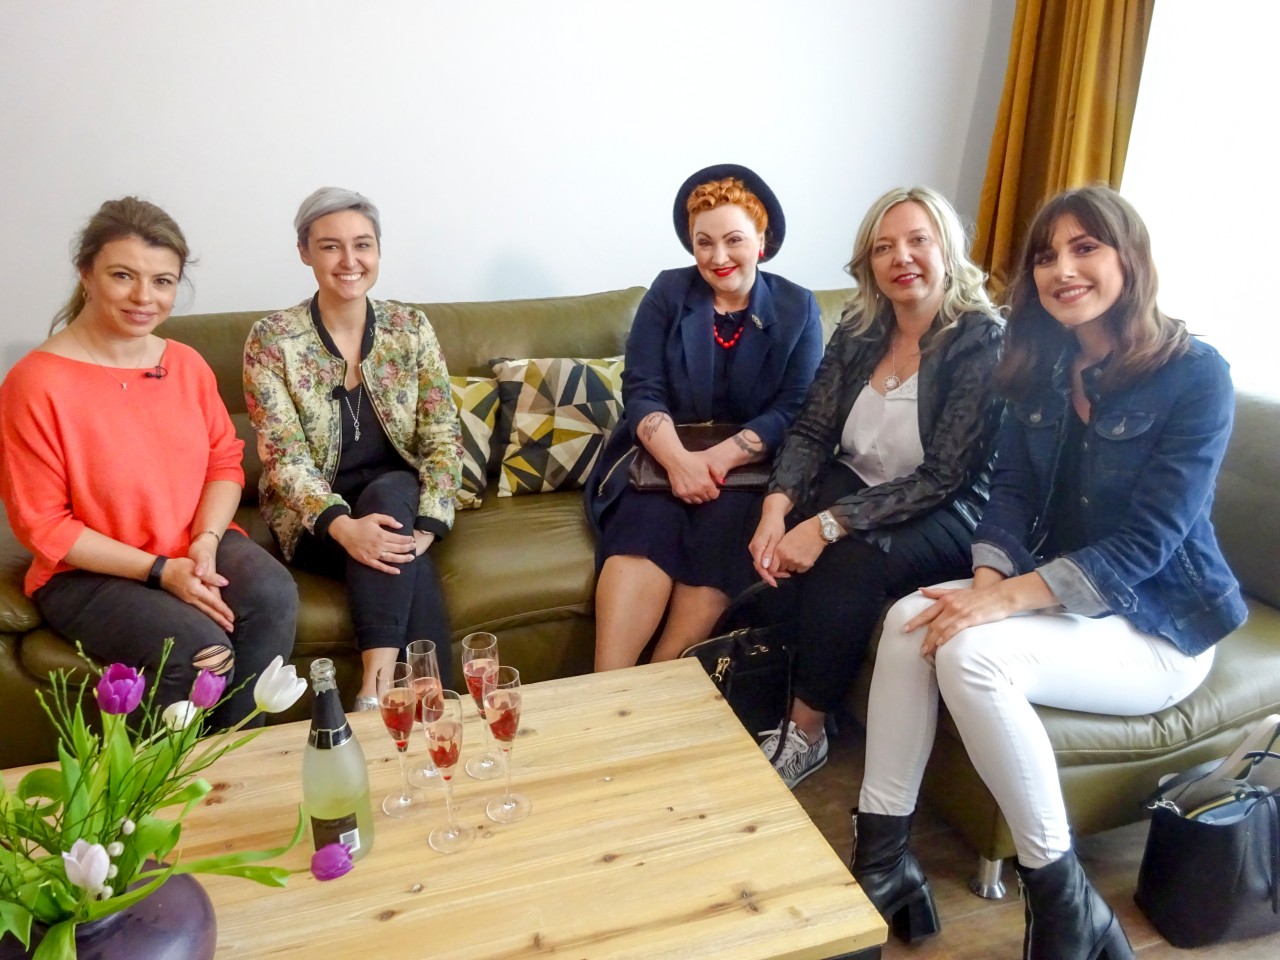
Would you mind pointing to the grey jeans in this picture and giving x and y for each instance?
(118, 620)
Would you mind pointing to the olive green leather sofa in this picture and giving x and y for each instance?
(521, 567)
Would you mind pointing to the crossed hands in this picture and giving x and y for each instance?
(777, 552)
(194, 579)
(697, 475)
(373, 541)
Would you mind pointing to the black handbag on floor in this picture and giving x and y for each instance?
(749, 659)
(1211, 869)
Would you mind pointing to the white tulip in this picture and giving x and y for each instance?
(178, 716)
(278, 688)
(86, 865)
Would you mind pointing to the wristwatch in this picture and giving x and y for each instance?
(831, 531)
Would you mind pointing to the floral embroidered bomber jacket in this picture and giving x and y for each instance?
(289, 378)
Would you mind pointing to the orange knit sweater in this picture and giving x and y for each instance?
(77, 451)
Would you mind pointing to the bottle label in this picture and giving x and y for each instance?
(342, 830)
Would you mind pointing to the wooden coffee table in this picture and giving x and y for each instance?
(658, 830)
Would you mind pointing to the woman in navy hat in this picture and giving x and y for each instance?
(717, 341)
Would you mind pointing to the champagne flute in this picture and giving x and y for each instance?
(479, 657)
(444, 740)
(421, 657)
(397, 701)
(502, 710)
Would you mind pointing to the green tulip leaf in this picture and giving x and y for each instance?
(45, 784)
(15, 919)
(104, 908)
(59, 943)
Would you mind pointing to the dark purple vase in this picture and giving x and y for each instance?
(174, 923)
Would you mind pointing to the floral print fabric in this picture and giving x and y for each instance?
(289, 378)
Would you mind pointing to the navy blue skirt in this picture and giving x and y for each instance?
(701, 545)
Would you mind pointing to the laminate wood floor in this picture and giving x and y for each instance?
(977, 929)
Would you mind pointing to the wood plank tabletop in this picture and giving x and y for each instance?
(658, 831)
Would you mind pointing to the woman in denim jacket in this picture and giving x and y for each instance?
(1098, 584)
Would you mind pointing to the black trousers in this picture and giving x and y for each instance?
(388, 610)
(842, 597)
(125, 621)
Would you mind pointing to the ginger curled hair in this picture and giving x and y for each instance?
(720, 193)
(1145, 337)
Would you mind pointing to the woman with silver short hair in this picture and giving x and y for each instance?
(358, 436)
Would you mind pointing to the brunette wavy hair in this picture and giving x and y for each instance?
(117, 220)
(964, 286)
(719, 193)
(1146, 338)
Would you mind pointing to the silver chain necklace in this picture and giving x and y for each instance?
(892, 382)
(124, 385)
(355, 413)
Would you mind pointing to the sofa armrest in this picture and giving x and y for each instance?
(17, 613)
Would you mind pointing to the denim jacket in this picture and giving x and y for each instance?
(1149, 460)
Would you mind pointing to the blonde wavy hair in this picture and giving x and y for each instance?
(964, 288)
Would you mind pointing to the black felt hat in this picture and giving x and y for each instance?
(777, 222)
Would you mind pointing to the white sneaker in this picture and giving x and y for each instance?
(799, 757)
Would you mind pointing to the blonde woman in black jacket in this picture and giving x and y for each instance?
(878, 484)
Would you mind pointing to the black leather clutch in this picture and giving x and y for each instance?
(647, 474)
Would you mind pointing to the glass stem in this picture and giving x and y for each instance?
(404, 777)
(448, 803)
(506, 756)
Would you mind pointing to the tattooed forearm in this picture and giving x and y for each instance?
(750, 444)
(650, 425)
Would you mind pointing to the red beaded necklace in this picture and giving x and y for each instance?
(727, 344)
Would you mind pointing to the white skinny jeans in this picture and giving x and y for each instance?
(988, 677)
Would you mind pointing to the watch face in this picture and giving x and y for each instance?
(830, 529)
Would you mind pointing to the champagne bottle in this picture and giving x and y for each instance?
(335, 780)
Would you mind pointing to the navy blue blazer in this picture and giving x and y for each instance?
(670, 363)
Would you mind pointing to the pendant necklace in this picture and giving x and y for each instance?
(124, 385)
(355, 413)
(891, 382)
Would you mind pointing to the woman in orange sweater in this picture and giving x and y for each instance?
(120, 471)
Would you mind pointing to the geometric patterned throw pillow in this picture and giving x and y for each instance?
(563, 411)
(477, 401)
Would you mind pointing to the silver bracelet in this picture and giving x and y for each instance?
(212, 533)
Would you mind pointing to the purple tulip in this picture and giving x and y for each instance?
(331, 861)
(120, 689)
(207, 689)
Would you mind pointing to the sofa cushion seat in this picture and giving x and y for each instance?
(518, 561)
(1235, 693)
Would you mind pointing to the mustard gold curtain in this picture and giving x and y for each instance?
(1065, 115)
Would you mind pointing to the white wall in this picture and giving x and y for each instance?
(1201, 170)
(516, 149)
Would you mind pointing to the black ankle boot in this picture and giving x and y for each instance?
(1066, 918)
(890, 876)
